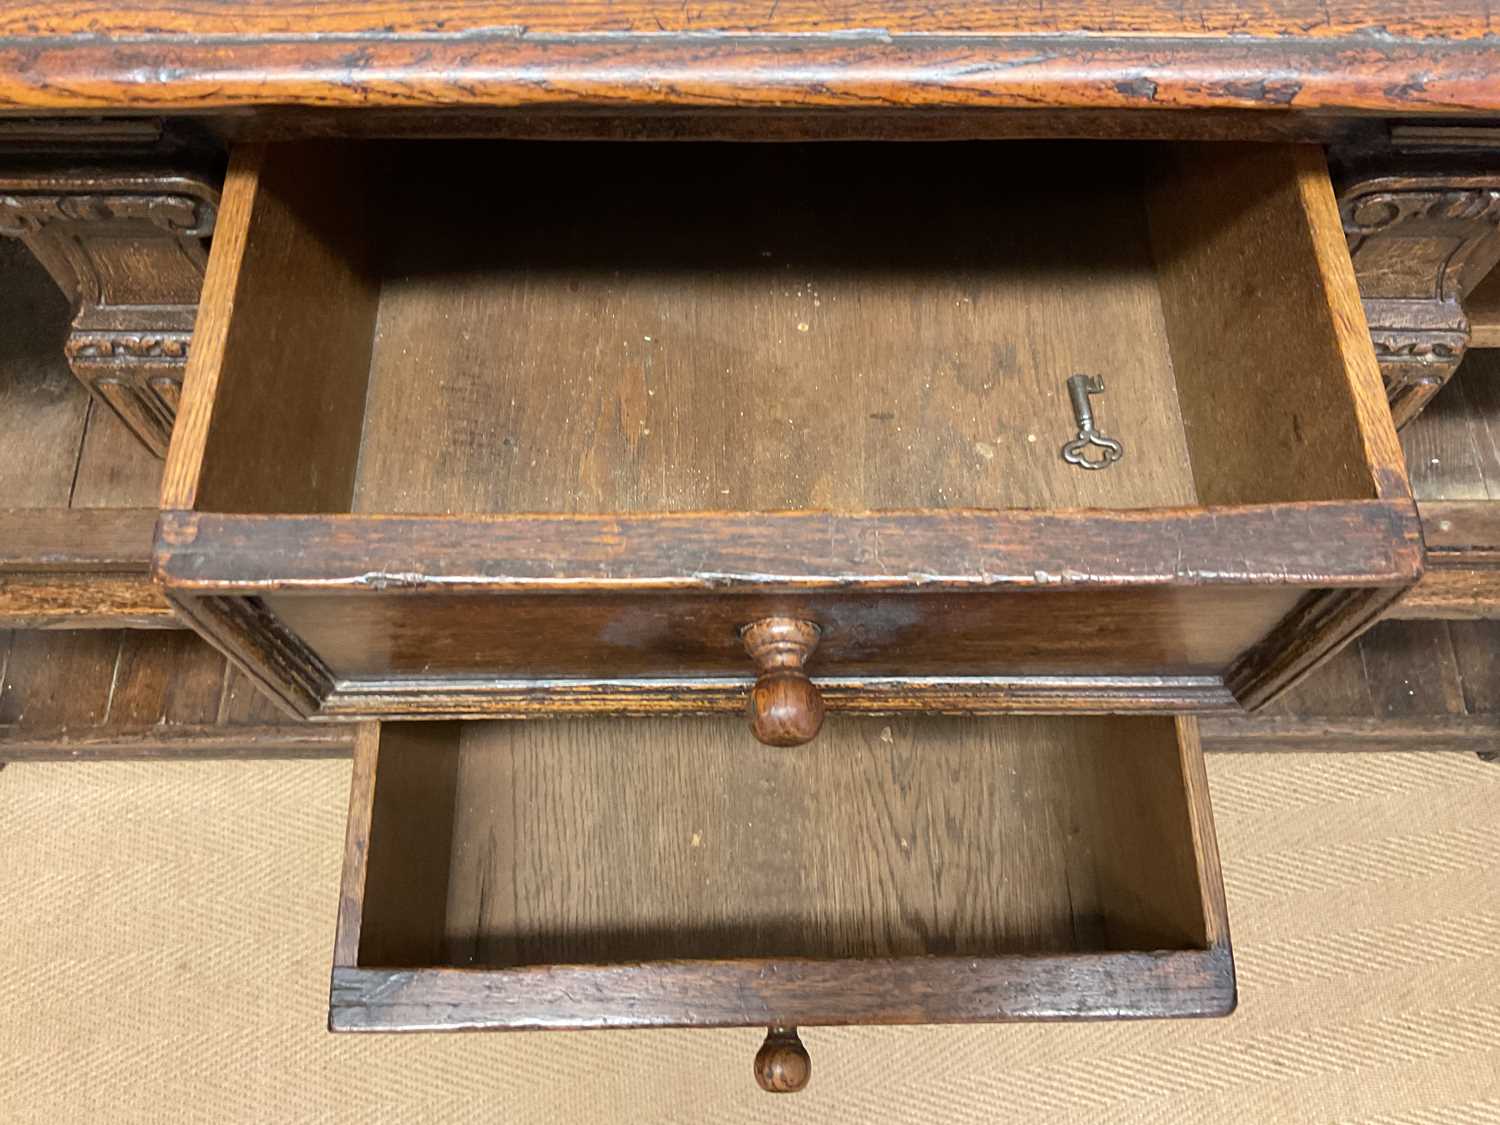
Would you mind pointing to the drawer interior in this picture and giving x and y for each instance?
(509, 847)
(504, 328)
(762, 327)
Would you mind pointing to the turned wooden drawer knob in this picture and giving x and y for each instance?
(781, 1064)
(785, 707)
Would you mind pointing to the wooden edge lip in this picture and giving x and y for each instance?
(1322, 544)
(196, 742)
(1320, 624)
(953, 695)
(510, 67)
(183, 468)
(801, 992)
(1468, 529)
(1369, 401)
(1452, 596)
(255, 642)
(1416, 734)
(83, 540)
(366, 753)
(1205, 839)
(96, 176)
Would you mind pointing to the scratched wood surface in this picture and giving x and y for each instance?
(1426, 19)
(1271, 57)
(883, 838)
(639, 328)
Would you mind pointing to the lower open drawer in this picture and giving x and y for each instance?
(589, 873)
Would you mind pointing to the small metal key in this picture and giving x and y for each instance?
(1075, 452)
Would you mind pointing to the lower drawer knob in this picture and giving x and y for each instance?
(785, 707)
(781, 1064)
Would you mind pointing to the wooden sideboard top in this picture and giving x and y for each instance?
(1388, 57)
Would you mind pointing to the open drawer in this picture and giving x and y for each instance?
(501, 429)
(593, 874)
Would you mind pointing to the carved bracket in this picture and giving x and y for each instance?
(129, 248)
(1420, 241)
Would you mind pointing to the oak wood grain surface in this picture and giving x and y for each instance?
(988, 835)
(1275, 56)
(1326, 543)
(1242, 235)
(861, 334)
(1422, 19)
(255, 432)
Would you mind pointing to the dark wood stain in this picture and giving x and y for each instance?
(1329, 543)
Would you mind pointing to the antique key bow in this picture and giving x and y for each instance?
(1075, 452)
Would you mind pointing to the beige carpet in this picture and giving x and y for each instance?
(166, 931)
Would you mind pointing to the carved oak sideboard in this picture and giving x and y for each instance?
(470, 411)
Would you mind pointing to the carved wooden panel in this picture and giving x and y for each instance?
(1421, 241)
(130, 247)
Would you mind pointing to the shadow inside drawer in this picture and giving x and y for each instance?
(508, 844)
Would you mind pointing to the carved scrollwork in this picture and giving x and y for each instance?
(128, 248)
(127, 345)
(1416, 349)
(1377, 211)
(184, 216)
(1420, 240)
(1440, 231)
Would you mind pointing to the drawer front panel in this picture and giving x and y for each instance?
(1162, 631)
